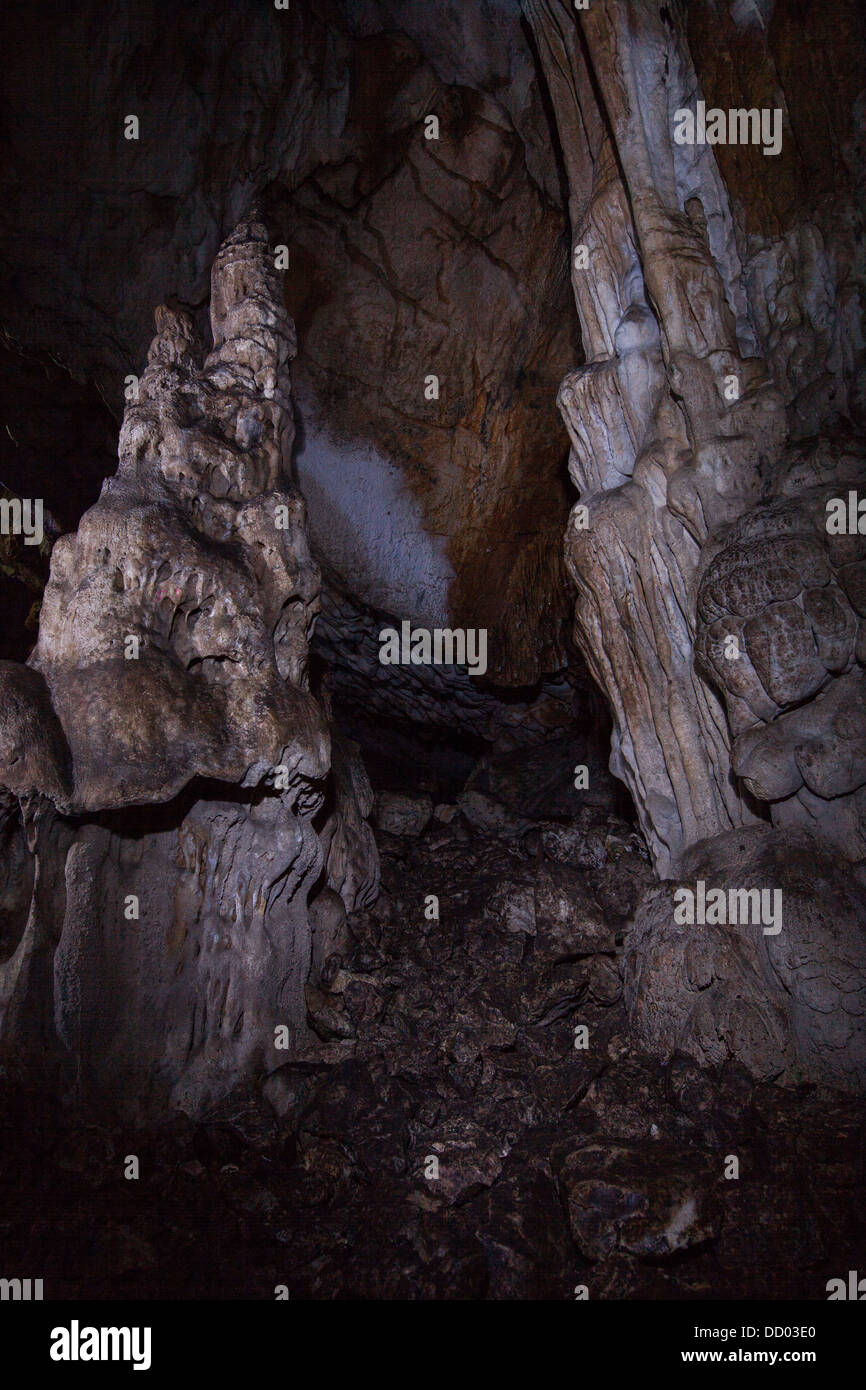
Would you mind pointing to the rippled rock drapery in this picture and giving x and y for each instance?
(794, 598)
(788, 1004)
(643, 460)
(163, 743)
(723, 621)
(679, 433)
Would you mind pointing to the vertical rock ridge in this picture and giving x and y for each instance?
(172, 727)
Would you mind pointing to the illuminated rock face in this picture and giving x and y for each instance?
(174, 629)
(721, 616)
(793, 598)
(164, 744)
(699, 522)
(409, 258)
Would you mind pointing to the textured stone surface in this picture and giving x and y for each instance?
(559, 1168)
(795, 214)
(408, 257)
(618, 1201)
(699, 367)
(425, 725)
(167, 710)
(713, 607)
(789, 1004)
(515, 1073)
(794, 695)
(398, 814)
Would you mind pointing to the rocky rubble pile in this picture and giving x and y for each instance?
(488, 1045)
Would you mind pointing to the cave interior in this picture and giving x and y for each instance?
(433, 578)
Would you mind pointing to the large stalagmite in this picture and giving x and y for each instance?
(169, 760)
(723, 621)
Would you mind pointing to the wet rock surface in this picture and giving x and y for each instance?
(449, 1045)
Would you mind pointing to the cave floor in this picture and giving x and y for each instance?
(454, 1045)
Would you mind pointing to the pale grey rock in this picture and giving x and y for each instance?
(790, 1005)
(698, 522)
(330, 930)
(352, 860)
(795, 693)
(618, 1201)
(513, 904)
(320, 113)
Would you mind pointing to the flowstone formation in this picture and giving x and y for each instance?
(785, 998)
(793, 596)
(166, 763)
(712, 428)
